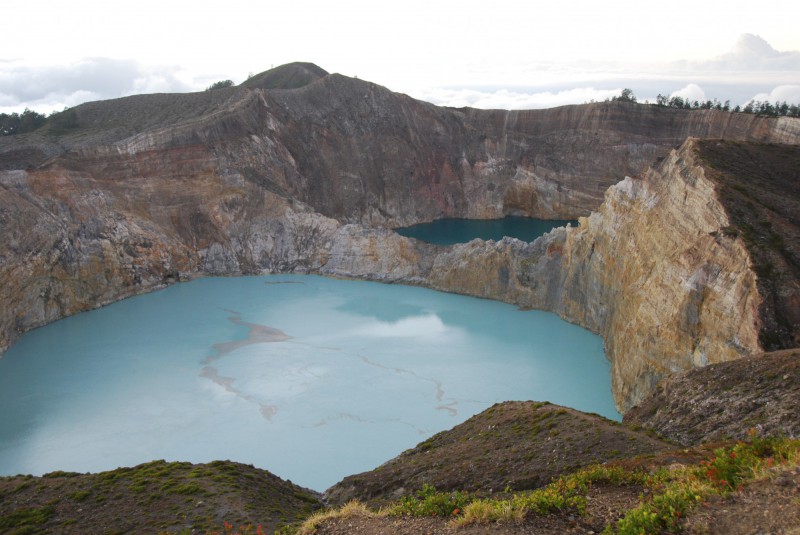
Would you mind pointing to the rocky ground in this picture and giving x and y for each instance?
(770, 505)
(726, 400)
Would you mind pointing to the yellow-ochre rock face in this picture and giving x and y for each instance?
(160, 188)
(675, 290)
(650, 271)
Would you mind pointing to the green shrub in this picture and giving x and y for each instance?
(79, 495)
(428, 502)
(26, 517)
(220, 85)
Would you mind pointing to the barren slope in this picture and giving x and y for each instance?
(726, 400)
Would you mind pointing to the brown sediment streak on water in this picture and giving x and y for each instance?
(225, 382)
(439, 387)
(258, 334)
(449, 407)
(356, 418)
(340, 416)
(209, 372)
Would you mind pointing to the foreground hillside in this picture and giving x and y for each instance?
(453, 485)
(651, 499)
(152, 498)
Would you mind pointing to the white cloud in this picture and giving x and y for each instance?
(411, 327)
(487, 80)
(690, 92)
(751, 52)
(750, 66)
(46, 88)
(782, 93)
(512, 100)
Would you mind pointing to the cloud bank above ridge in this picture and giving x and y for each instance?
(751, 70)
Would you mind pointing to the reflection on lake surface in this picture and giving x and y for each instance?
(450, 231)
(311, 378)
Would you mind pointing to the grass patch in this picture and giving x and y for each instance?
(725, 472)
(79, 495)
(309, 526)
(23, 518)
(61, 473)
(428, 502)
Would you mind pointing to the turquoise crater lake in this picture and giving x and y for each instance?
(454, 230)
(308, 377)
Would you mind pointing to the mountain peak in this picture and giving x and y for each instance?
(289, 76)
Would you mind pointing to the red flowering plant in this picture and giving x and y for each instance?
(730, 467)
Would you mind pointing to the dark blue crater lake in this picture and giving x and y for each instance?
(450, 231)
(308, 377)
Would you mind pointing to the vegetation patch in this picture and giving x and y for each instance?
(727, 471)
(28, 517)
(156, 497)
(667, 494)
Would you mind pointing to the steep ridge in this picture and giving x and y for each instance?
(760, 188)
(365, 155)
(246, 180)
(359, 153)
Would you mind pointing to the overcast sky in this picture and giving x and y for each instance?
(498, 54)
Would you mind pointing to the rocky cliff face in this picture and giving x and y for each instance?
(653, 271)
(153, 189)
(670, 289)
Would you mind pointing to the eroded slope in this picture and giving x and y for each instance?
(726, 400)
